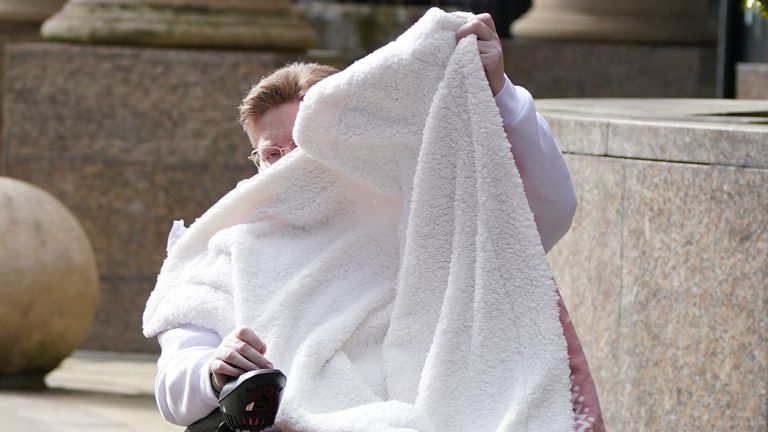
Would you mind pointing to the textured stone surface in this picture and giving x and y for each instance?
(752, 81)
(664, 274)
(259, 24)
(90, 391)
(127, 207)
(129, 139)
(572, 70)
(48, 281)
(693, 326)
(654, 21)
(664, 269)
(707, 131)
(13, 32)
(117, 322)
(590, 277)
(68, 411)
(579, 134)
(29, 11)
(723, 145)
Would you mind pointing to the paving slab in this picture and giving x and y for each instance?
(105, 372)
(106, 392)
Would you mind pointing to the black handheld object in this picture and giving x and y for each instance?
(250, 403)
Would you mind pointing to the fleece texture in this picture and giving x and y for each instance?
(391, 263)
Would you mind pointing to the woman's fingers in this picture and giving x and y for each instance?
(220, 367)
(242, 351)
(489, 46)
(487, 19)
(234, 358)
(243, 348)
(481, 25)
(222, 373)
(247, 335)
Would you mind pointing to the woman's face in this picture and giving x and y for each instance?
(272, 137)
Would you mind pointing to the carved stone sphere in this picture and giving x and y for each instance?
(48, 284)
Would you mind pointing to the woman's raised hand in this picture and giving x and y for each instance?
(489, 45)
(239, 352)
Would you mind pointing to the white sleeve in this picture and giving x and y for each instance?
(545, 176)
(182, 387)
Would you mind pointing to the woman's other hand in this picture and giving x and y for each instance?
(489, 44)
(239, 352)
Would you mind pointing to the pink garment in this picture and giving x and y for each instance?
(586, 406)
(182, 387)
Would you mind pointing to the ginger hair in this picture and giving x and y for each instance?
(287, 84)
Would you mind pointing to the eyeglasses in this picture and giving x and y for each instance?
(269, 155)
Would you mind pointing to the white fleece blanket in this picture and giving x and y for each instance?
(391, 264)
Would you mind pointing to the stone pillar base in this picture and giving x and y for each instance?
(591, 21)
(28, 11)
(269, 25)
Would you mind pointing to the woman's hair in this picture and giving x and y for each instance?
(287, 84)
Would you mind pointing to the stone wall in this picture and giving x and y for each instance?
(128, 139)
(664, 270)
(575, 70)
(13, 32)
(20, 21)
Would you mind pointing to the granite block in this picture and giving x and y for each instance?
(127, 209)
(573, 70)
(12, 32)
(685, 142)
(129, 139)
(582, 135)
(685, 348)
(587, 266)
(702, 131)
(694, 351)
(188, 190)
(752, 80)
(113, 202)
(117, 325)
(128, 104)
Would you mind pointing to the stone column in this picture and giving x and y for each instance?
(649, 21)
(242, 24)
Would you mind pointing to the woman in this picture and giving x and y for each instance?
(196, 363)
